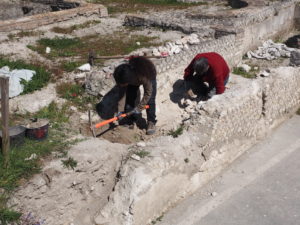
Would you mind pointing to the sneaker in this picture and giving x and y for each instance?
(150, 128)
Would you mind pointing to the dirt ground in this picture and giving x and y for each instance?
(94, 153)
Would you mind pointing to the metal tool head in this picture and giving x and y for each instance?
(91, 124)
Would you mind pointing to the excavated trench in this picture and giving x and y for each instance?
(113, 186)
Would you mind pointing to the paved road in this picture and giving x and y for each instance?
(261, 188)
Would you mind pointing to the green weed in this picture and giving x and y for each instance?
(22, 34)
(19, 169)
(56, 115)
(8, 215)
(70, 66)
(177, 132)
(143, 5)
(68, 30)
(59, 42)
(158, 219)
(239, 71)
(76, 95)
(69, 163)
(142, 153)
(39, 80)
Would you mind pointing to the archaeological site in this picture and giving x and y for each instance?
(63, 162)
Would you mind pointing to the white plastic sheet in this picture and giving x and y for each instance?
(15, 77)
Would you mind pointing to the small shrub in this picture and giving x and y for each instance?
(186, 160)
(177, 132)
(69, 163)
(298, 111)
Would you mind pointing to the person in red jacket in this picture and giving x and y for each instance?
(207, 67)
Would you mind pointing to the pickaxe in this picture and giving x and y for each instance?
(105, 122)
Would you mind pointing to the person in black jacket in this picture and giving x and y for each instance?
(129, 76)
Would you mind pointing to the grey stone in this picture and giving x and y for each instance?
(295, 58)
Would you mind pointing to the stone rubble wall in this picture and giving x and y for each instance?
(268, 23)
(219, 131)
(178, 21)
(35, 21)
(247, 31)
(297, 16)
(281, 93)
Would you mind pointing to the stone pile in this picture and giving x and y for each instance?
(175, 48)
(270, 51)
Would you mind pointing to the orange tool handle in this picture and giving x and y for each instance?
(98, 125)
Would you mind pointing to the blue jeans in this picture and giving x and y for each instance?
(213, 91)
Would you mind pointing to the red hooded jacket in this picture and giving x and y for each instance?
(217, 73)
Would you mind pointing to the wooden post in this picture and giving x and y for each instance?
(4, 82)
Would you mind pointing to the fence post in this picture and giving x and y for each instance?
(4, 84)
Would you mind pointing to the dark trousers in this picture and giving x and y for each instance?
(131, 98)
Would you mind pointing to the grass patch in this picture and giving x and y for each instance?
(68, 30)
(70, 66)
(22, 34)
(69, 163)
(39, 80)
(19, 169)
(59, 42)
(177, 132)
(250, 75)
(119, 43)
(7, 216)
(76, 95)
(142, 153)
(143, 5)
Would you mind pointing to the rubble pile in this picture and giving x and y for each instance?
(175, 48)
(270, 51)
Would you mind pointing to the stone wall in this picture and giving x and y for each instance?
(267, 23)
(297, 16)
(32, 22)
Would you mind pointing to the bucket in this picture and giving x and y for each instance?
(37, 129)
(16, 136)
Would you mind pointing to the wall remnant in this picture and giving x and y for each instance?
(32, 22)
